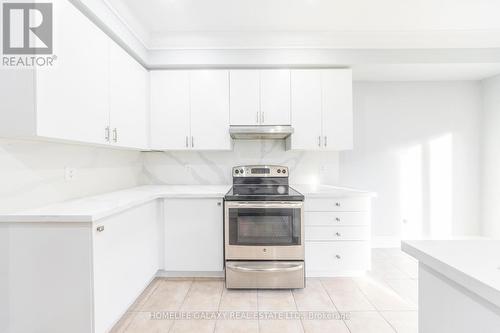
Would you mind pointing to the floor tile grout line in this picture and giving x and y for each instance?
(218, 306)
(182, 303)
(297, 309)
(336, 308)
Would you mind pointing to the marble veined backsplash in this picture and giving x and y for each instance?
(214, 167)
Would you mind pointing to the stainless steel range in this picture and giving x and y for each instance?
(263, 230)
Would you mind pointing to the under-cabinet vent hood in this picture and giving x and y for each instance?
(260, 132)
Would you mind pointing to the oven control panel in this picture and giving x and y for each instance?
(260, 171)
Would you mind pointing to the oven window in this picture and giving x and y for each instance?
(264, 226)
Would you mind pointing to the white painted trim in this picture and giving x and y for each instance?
(163, 273)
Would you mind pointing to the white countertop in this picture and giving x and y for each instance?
(473, 264)
(93, 208)
(330, 191)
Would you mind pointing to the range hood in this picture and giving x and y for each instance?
(260, 132)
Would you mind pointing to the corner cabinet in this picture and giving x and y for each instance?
(322, 109)
(190, 110)
(93, 94)
(260, 97)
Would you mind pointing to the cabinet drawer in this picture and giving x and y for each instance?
(337, 258)
(337, 204)
(336, 218)
(327, 233)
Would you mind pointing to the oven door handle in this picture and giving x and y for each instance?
(263, 205)
(273, 269)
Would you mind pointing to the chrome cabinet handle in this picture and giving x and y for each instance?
(338, 234)
(100, 228)
(337, 256)
(319, 141)
(326, 141)
(106, 134)
(337, 204)
(337, 219)
(115, 135)
(187, 141)
(192, 141)
(219, 204)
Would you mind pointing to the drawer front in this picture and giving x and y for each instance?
(337, 218)
(265, 274)
(326, 233)
(337, 258)
(359, 204)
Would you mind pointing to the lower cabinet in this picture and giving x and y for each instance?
(193, 235)
(77, 277)
(337, 232)
(126, 258)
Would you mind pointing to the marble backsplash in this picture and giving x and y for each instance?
(33, 173)
(214, 167)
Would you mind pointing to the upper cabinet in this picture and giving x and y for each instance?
(322, 114)
(260, 97)
(190, 110)
(95, 92)
(128, 98)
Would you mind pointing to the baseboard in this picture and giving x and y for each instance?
(162, 273)
(385, 242)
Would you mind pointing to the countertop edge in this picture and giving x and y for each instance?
(463, 279)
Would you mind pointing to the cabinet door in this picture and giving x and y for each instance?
(245, 97)
(72, 96)
(337, 109)
(169, 109)
(193, 235)
(275, 97)
(128, 99)
(210, 110)
(126, 258)
(306, 109)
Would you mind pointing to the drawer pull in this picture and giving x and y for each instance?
(337, 204)
(337, 256)
(100, 228)
(337, 219)
(337, 234)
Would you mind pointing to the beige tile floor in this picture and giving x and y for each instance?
(385, 300)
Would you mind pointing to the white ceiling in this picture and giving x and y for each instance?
(162, 16)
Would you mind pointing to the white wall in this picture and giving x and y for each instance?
(215, 167)
(400, 152)
(490, 171)
(32, 173)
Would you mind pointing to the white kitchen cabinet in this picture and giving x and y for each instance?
(190, 110)
(337, 233)
(193, 235)
(209, 91)
(321, 104)
(74, 277)
(128, 97)
(260, 97)
(92, 82)
(275, 96)
(245, 97)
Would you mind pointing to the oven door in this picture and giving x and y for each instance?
(264, 230)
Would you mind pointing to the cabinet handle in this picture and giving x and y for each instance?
(192, 141)
(337, 219)
(100, 228)
(106, 134)
(338, 234)
(337, 204)
(115, 135)
(326, 141)
(337, 256)
(319, 141)
(187, 141)
(219, 204)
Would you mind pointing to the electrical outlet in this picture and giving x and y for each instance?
(69, 173)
